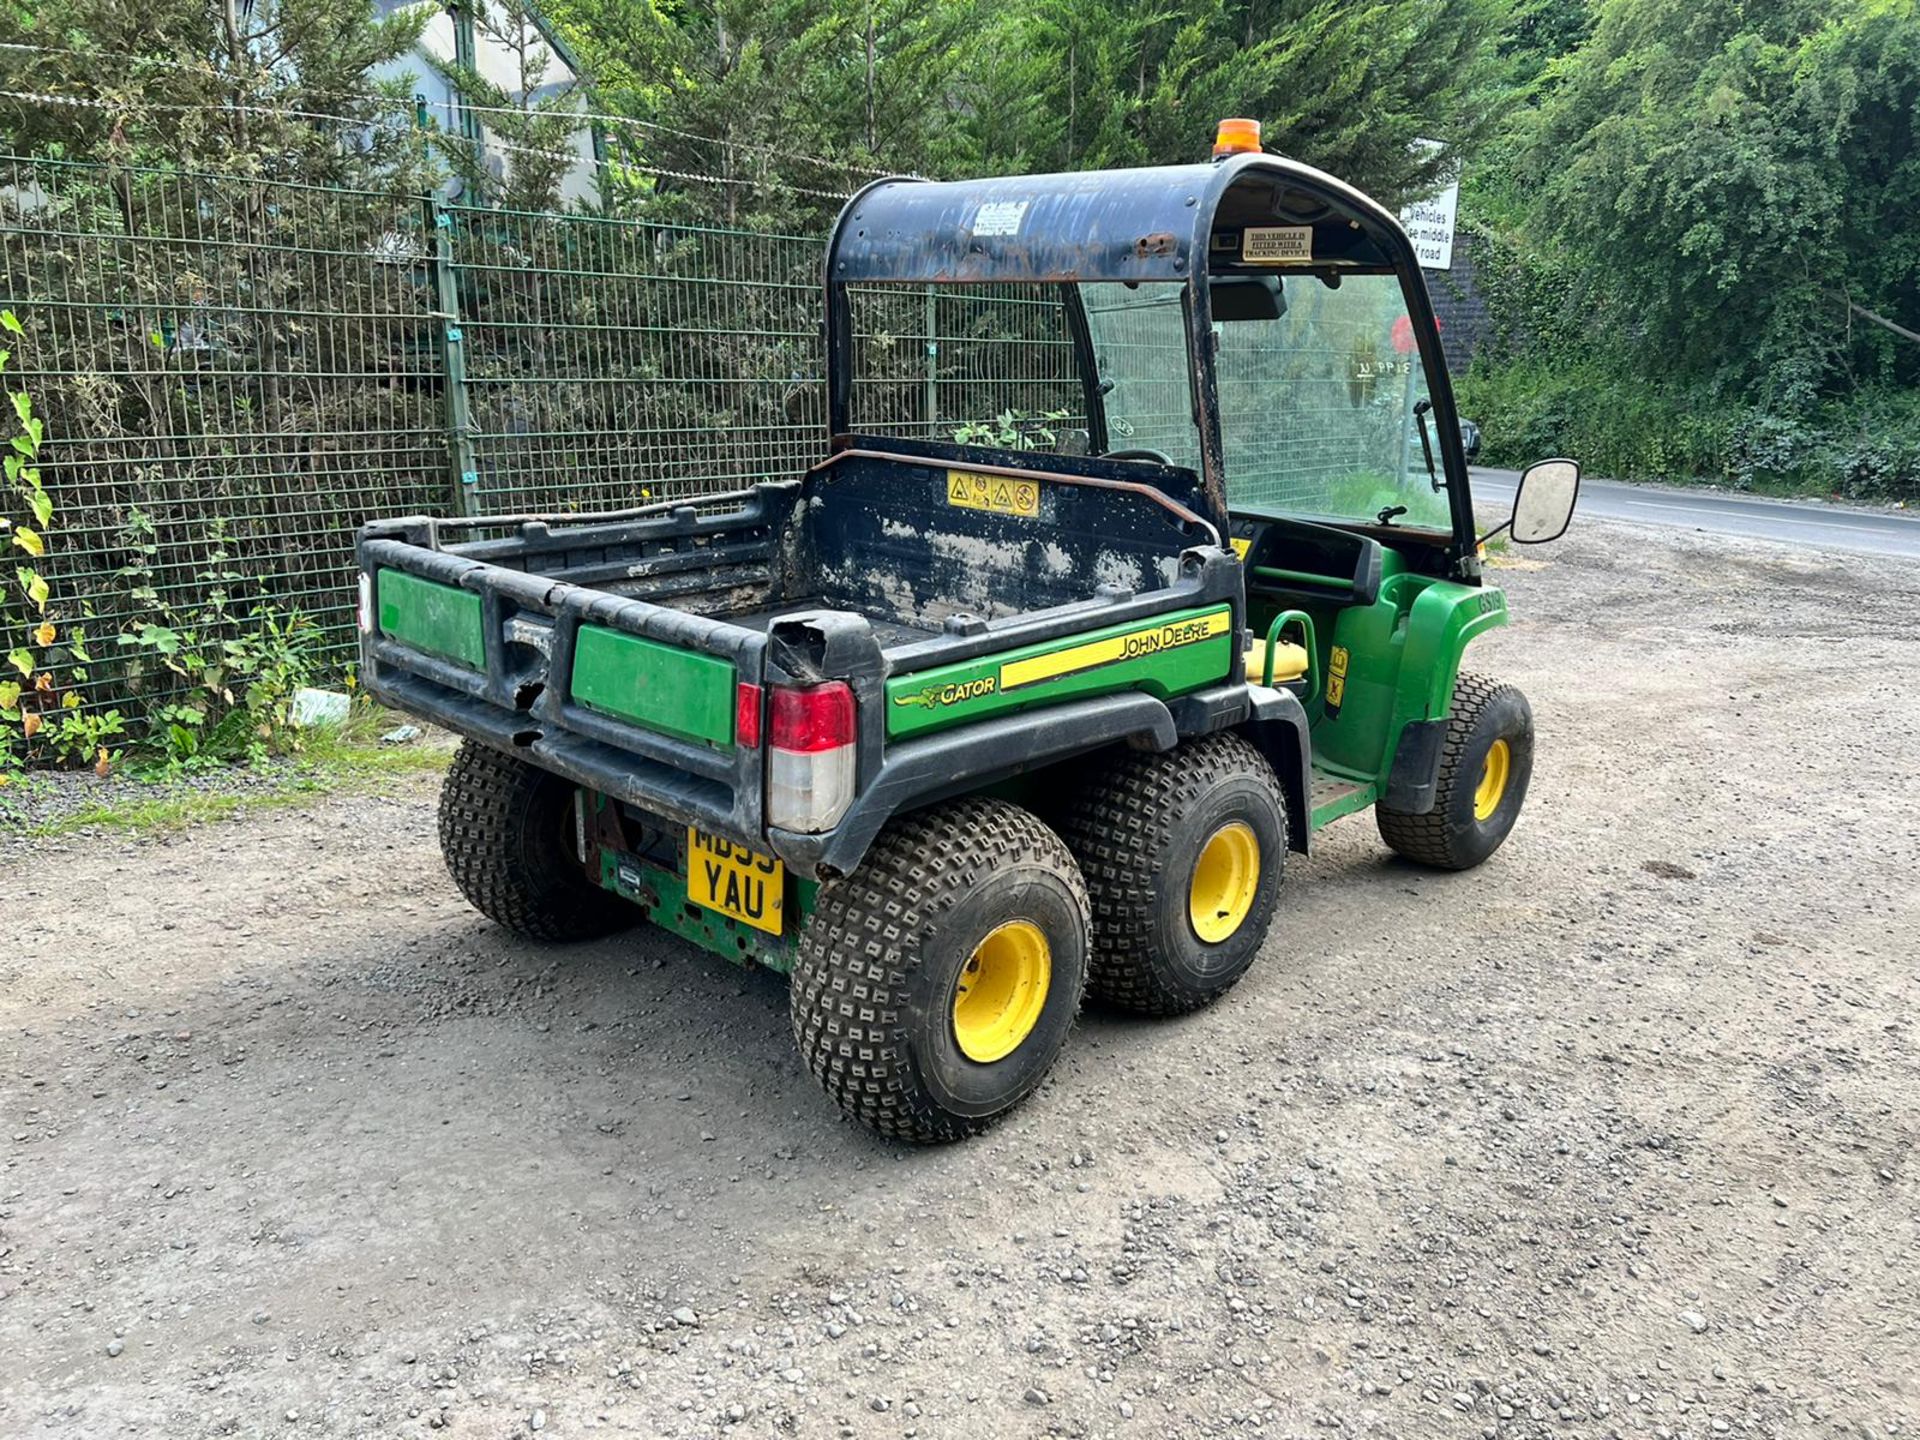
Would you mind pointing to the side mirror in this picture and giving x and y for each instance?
(1543, 504)
(1470, 438)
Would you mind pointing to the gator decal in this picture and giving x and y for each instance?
(1172, 655)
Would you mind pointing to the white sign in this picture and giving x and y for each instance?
(1277, 244)
(999, 217)
(1429, 223)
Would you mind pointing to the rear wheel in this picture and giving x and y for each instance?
(507, 834)
(934, 987)
(1183, 854)
(1485, 765)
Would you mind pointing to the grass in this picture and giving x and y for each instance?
(346, 759)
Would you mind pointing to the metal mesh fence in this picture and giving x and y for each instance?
(231, 373)
(608, 361)
(236, 373)
(990, 361)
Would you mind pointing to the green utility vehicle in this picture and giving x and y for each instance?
(954, 733)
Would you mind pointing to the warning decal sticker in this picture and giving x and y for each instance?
(1002, 494)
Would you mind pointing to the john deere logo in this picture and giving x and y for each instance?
(1152, 642)
(954, 693)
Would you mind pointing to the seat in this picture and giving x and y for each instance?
(1289, 661)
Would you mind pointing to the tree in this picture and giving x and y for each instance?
(1739, 182)
(225, 85)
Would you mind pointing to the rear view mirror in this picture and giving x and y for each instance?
(1543, 505)
(1470, 438)
(1246, 297)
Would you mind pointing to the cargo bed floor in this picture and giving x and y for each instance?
(887, 630)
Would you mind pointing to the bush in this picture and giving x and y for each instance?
(1864, 447)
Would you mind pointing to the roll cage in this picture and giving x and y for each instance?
(1185, 224)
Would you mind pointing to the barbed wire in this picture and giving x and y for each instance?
(442, 137)
(454, 107)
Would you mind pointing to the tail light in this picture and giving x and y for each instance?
(810, 759)
(363, 613)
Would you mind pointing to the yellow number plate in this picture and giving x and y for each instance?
(1001, 494)
(740, 883)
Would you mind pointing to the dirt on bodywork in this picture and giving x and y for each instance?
(1614, 1136)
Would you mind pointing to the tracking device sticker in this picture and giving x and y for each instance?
(1276, 244)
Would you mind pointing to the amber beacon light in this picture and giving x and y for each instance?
(1237, 137)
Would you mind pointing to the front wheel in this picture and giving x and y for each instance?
(1485, 765)
(934, 987)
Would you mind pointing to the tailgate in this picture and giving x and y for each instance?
(636, 700)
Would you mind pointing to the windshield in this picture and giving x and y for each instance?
(1316, 407)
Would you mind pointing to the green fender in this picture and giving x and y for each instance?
(1444, 618)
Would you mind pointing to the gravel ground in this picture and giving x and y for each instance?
(1615, 1136)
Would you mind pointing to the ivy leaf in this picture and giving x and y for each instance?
(70, 701)
(9, 694)
(41, 504)
(34, 584)
(12, 322)
(21, 660)
(29, 540)
(22, 405)
(44, 634)
(30, 724)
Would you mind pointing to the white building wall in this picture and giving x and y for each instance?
(498, 64)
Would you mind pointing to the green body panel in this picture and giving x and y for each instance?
(1355, 800)
(662, 895)
(432, 617)
(660, 687)
(1167, 656)
(1403, 656)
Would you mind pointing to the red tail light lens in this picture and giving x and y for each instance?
(814, 717)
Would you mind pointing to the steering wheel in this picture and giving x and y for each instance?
(1141, 453)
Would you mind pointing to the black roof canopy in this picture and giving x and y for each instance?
(1164, 222)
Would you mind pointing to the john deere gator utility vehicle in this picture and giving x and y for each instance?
(955, 733)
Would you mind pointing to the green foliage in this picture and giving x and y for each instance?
(1731, 177)
(532, 123)
(28, 631)
(215, 682)
(771, 101)
(253, 88)
(1013, 430)
(1864, 447)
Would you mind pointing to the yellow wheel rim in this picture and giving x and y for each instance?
(1493, 780)
(1225, 880)
(1002, 991)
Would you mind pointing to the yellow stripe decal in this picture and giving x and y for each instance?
(1131, 646)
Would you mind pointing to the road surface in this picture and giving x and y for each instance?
(1790, 522)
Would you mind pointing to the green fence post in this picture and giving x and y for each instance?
(463, 468)
(932, 416)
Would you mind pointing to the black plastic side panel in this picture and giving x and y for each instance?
(1415, 776)
(954, 762)
(880, 534)
(1278, 727)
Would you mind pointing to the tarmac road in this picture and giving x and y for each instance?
(1813, 523)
